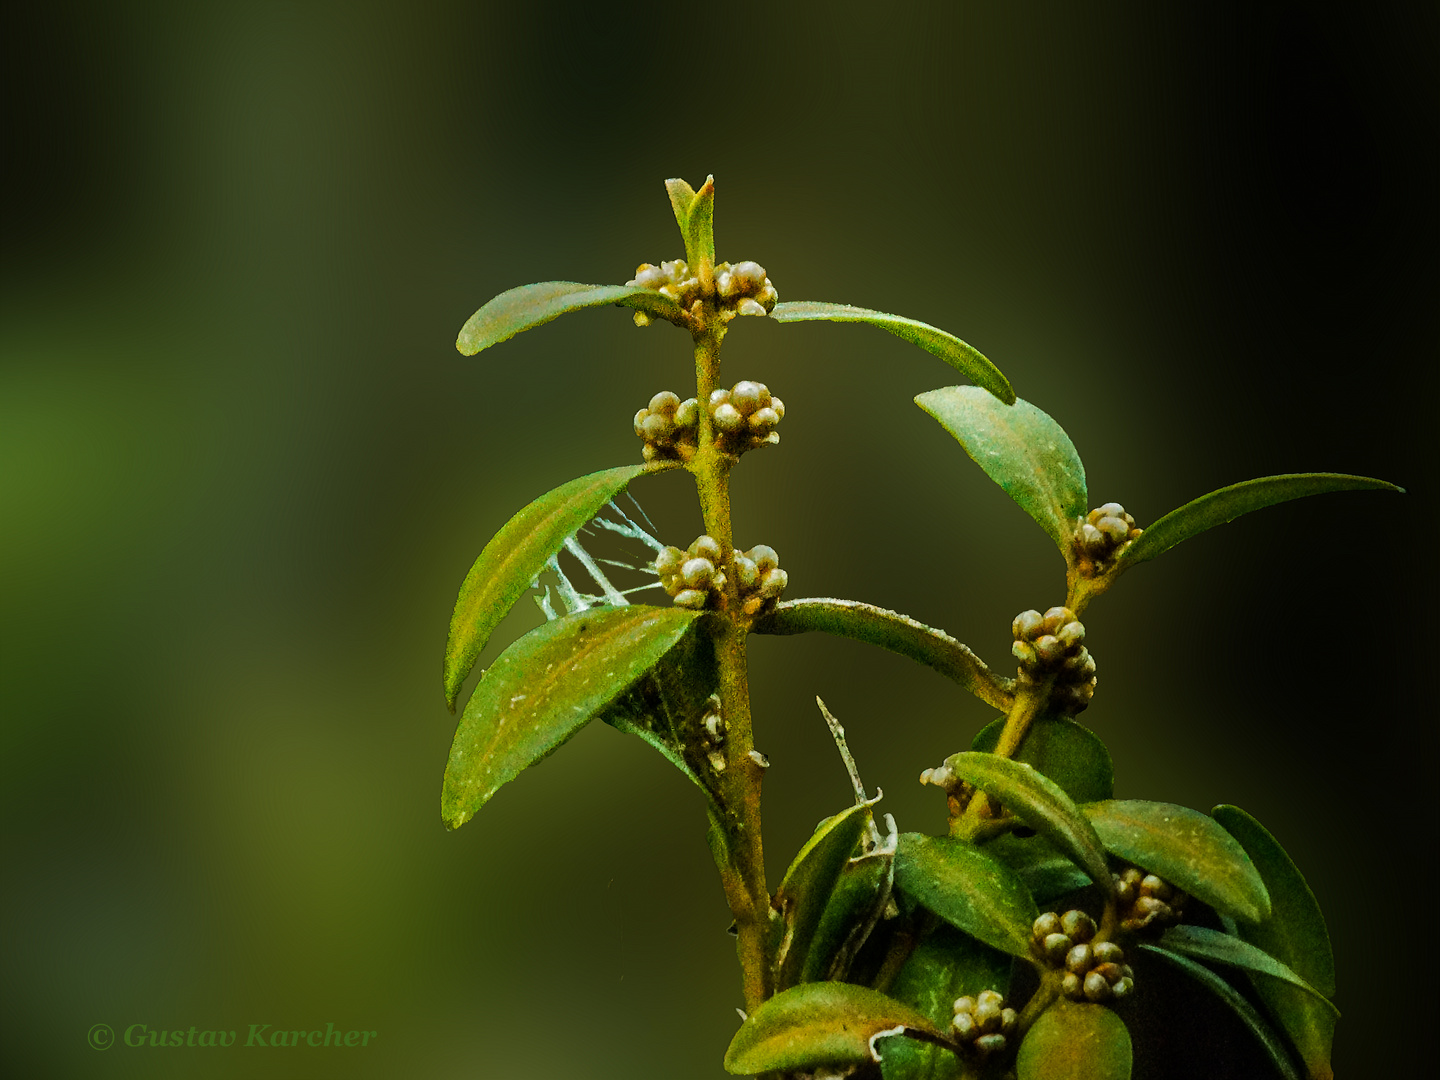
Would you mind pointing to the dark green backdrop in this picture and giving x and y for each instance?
(244, 472)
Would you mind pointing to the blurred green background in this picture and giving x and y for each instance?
(244, 472)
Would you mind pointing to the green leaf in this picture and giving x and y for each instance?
(665, 706)
(890, 630)
(1264, 1034)
(1046, 873)
(681, 196)
(1022, 449)
(1229, 503)
(968, 889)
(947, 964)
(546, 687)
(809, 882)
(1040, 803)
(514, 558)
(1075, 1042)
(699, 230)
(1205, 944)
(863, 886)
(821, 1023)
(1187, 849)
(531, 305)
(966, 359)
(1067, 752)
(1296, 934)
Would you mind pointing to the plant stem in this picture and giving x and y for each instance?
(1030, 698)
(744, 877)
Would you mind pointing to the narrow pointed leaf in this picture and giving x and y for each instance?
(1264, 1034)
(964, 358)
(699, 229)
(809, 882)
(531, 305)
(968, 889)
(1187, 849)
(945, 965)
(546, 687)
(820, 1023)
(1022, 449)
(859, 890)
(1041, 804)
(1229, 503)
(514, 558)
(1075, 1042)
(1296, 934)
(1202, 943)
(1067, 752)
(890, 630)
(681, 196)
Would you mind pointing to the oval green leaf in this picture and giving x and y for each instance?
(699, 229)
(968, 889)
(1022, 449)
(1202, 943)
(1296, 934)
(890, 630)
(546, 687)
(1040, 803)
(964, 358)
(1229, 503)
(861, 888)
(820, 1023)
(1075, 1042)
(1046, 873)
(531, 305)
(944, 966)
(514, 557)
(681, 196)
(809, 883)
(1187, 849)
(1264, 1034)
(1066, 751)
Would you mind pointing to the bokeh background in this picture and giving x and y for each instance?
(244, 472)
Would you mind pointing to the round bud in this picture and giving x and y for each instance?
(773, 582)
(657, 427)
(987, 1016)
(1078, 925)
(1026, 625)
(718, 398)
(1079, 959)
(639, 422)
(717, 761)
(1024, 652)
(1009, 1021)
(728, 419)
(724, 283)
(668, 561)
(993, 997)
(1132, 875)
(1092, 539)
(1111, 973)
(767, 297)
(687, 415)
(697, 573)
(1123, 987)
(691, 598)
(1115, 530)
(651, 452)
(965, 1026)
(1151, 885)
(963, 1005)
(665, 402)
(750, 307)
(1096, 988)
(1124, 891)
(1048, 650)
(1071, 986)
(778, 406)
(762, 420)
(1057, 617)
(706, 547)
(764, 557)
(1107, 952)
(1071, 634)
(747, 396)
(1056, 947)
(650, 277)
(990, 1044)
(1045, 925)
(1112, 509)
(749, 275)
(746, 576)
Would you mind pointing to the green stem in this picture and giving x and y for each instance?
(744, 876)
(1030, 697)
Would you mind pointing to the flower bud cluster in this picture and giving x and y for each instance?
(1102, 534)
(741, 289)
(981, 1023)
(744, 417)
(694, 579)
(669, 426)
(1053, 644)
(1145, 900)
(712, 729)
(1093, 972)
